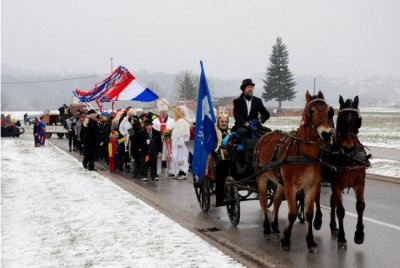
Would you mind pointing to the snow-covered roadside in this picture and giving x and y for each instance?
(55, 214)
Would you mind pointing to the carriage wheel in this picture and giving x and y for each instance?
(232, 201)
(202, 194)
(48, 135)
(60, 135)
(300, 206)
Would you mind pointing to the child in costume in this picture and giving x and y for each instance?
(113, 149)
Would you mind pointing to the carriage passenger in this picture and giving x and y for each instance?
(222, 130)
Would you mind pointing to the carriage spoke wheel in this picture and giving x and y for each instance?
(202, 194)
(300, 206)
(232, 201)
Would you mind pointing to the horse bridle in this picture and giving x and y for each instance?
(351, 134)
(315, 126)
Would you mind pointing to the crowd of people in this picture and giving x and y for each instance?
(143, 144)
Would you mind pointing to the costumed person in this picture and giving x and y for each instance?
(180, 134)
(70, 124)
(91, 140)
(42, 131)
(150, 140)
(249, 113)
(219, 153)
(134, 146)
(165, 125)
(124, 127)
(112, 150)
(36, 132)
(25, 118)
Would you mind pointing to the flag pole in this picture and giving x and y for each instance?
(187, 120)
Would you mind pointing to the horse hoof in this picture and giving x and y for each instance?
(313, 250)
(275, 235)
(342, 245)
(267, 236)
(359, 237)
(286, 247)
(358, 240)
(317, 225)
(334, 234)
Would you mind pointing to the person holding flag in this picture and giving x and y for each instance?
(205, 136)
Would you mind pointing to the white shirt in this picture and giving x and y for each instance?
(248, 104)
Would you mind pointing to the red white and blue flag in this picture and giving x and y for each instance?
(120, 85)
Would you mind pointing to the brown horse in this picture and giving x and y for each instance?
(291, 160)
(349, 162)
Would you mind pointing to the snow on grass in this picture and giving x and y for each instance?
(56, 214)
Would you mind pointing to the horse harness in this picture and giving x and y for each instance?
(276, 162)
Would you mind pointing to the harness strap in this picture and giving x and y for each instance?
(288, 160)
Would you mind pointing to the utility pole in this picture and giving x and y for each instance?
(314, 84)
(112, 68)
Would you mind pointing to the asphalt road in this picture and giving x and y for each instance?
(177, 200)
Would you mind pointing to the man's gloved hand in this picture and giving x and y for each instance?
(253, 124)
(252, 127)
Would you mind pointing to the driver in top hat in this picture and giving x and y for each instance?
(249, 112)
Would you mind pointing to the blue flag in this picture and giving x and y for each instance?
(205, 136)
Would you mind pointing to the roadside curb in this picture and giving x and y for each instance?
(383, 178)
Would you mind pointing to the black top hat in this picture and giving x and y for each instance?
(245, 83)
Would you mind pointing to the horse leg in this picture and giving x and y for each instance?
(332, 224)
(340, 212)
(292, 215)
(278, 197)
(262, 194)
(309, 213)
(318, 212)
(360, 206)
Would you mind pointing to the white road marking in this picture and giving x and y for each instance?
(369, 219)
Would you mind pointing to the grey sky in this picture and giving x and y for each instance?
(233, 38)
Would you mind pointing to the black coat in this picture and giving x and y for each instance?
(155, 145)
(240, 111)
(91, 136)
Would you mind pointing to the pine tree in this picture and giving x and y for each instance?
(279, 83)
(187, 84)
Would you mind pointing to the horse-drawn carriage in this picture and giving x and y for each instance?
(235, 181)
(288, 166)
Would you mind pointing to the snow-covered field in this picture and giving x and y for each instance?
(77, 218)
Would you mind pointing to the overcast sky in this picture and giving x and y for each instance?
(233, 38)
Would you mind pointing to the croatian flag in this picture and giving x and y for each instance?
(120, 85)
(205, 136)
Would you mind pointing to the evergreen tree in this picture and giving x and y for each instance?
(279, 83)
(187, 85)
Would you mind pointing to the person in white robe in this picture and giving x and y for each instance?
(165, 124)
(180, 134)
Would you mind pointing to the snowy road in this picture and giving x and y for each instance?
(55, 214)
